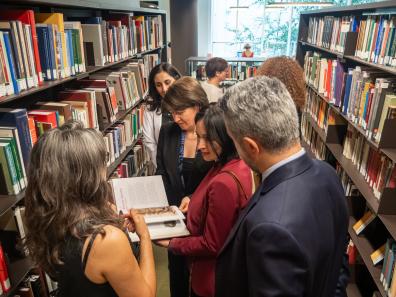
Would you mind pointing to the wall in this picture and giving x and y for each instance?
(204, 27)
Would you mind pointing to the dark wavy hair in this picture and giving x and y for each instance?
(213, 120)
(67, 192)
(154, 100)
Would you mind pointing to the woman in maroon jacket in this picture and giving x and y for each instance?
(215, 204)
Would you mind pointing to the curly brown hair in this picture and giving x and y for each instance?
(288, 71)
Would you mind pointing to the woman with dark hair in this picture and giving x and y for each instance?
(72, 231)
(161, 78)
(178, 162)
(215, 204)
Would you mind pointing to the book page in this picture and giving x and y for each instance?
(139, 192)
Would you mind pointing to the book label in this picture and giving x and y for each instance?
(30, 82)
(3, 90)
(10, 90)
(41, 76)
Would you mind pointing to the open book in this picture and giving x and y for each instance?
(147, 195)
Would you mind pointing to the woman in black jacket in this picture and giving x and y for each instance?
(178, 162)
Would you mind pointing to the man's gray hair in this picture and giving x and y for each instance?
(262, 108)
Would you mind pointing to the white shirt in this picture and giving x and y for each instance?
(152, 122)
(281, 163)
(214, 93)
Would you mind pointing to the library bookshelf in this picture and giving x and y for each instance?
(329, 120)
(154, 45)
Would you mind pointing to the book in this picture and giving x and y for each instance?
(93, 45)
(378, 255)
(147, 196)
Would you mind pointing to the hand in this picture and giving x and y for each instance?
(135, 223)
(163, 243)
(184, 204)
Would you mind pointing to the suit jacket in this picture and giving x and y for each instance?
(213, 210)
(167, 165)
(290, 239)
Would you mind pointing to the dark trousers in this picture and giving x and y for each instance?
(178, 275)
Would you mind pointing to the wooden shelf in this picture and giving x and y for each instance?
(114, 165)
(365, 249)
(390, 153)
(390, 223)
(7, 202)
(320, 131)
(353, 291)
(387, 69)
(50, 84)
(354, 174)
(17, 271)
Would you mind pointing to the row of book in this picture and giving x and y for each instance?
(376, 36)
(365, 95)
(316, 144)
(12, 236)
(35, 47)
(378, 170)
(123, 135)
(135, 162)
(34, 123)
(239, 71)
(331, 32)
(388, 272)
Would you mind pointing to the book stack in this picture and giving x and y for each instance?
(123, 134)
(316, 144)
(327, 76)
(365, 96)
(331, 32)
(133, 163)
(387, 277)
(378, 170)
(376, 40)
(20, 67)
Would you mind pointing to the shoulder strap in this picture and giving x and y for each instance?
(237, 181)
(89, 247)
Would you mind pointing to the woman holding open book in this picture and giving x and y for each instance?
(215, 204)
(178, 162)
(73, 233)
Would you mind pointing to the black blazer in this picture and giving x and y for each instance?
(290, 238)
(167, 161)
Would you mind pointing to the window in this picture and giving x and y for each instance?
(270, 31)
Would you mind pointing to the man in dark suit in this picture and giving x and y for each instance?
(289, 240)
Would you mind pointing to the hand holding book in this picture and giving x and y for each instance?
(134, 222)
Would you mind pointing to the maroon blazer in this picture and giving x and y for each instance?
(213, 210)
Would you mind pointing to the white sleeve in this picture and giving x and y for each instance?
(149, 140)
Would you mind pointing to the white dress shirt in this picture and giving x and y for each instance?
(152, 122)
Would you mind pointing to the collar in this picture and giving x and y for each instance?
(293, 157)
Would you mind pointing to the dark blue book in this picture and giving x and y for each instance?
(18, 118)
(347, 91)
(11, 61)
(86, 20)
(378, 42)
(42, 36)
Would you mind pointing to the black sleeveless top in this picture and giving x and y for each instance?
(72, 281)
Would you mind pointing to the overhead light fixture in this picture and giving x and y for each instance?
(238, 7)
(312, 3)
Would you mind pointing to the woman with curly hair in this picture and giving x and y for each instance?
(290, 73)
(73, 233)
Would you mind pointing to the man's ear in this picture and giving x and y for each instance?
(250, 146)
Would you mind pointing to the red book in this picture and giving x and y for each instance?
(4, 279)
(44, 116)
(392, 180)
(32, 130)
(26, 17)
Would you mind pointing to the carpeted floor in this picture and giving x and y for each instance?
(161, 267)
